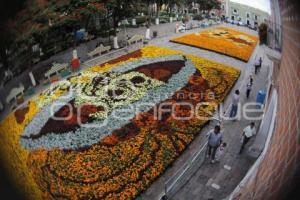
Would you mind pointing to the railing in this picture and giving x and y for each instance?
(185, 172)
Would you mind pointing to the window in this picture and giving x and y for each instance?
(248, 15)
(234, 11)
(255, 17)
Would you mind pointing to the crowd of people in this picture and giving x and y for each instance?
(216, 146)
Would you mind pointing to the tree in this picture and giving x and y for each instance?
(171, 3)
(8, 10)
(149, 3)
(118, 10)
(263, 33)
(207, 5)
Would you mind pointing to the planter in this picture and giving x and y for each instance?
(147, 34)
(116, 45)
(155, 34)
(157, 21)
(133, 22)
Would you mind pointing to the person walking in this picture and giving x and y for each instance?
(251, 80)
(214, 140)
(249, 88)
(260, 63)
(248, 132)
(234, 104)
(256, 66)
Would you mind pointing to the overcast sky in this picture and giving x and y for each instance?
(260, 4)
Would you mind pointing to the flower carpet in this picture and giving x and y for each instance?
(222, 40)
(96, 135)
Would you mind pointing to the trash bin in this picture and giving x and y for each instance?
(65, 73)
(30, 91)
(260, 98)
(154, 34)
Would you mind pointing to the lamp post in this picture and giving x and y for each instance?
(124, 23)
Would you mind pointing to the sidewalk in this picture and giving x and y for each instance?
(200, 184)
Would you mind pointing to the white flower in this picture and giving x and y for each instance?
(92, 133)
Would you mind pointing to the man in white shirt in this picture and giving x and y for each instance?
(248, 132)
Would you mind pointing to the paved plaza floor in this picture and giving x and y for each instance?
(209, 180)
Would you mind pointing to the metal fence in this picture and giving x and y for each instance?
(185, 172)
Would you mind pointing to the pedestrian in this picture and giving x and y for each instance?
(234, 104)
(214, 140)
(221, 151)
(248, 132)
(251, 80)
(256, 65)
(260, 63)
(249, 88)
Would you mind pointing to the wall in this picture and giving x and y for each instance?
(242, 13)
(277, 174)
(274, 26)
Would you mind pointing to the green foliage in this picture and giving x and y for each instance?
(263, 33)
(69, 15)
(42, 19)
(198, 17)
(208, 4)
(141, 20)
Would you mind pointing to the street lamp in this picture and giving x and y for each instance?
(124, 23)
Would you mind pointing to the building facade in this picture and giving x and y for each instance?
(248, 15)
(277, 173)
(220, 13)
(275, 27)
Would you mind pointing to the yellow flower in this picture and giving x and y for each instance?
(222, 40)
(120, 171)
(14, 157)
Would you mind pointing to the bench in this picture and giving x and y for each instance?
(55, 69)
(99, 50)
(135, 39)
(195, 26)
(14, 94)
